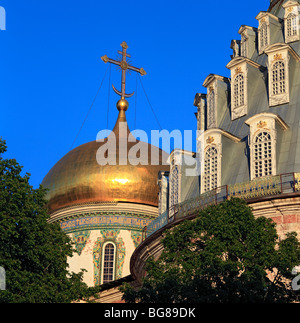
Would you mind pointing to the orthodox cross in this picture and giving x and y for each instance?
(124, 66)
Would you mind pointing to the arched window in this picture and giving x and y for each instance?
(108, 262)
(210, 178)
(238, 91)
(291, 25)
(262, 154)
(278, 78)
(211, 110)
(263, 36)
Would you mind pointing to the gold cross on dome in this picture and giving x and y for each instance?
(124, 66)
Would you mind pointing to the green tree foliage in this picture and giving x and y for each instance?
(225, 255)
(32, 251)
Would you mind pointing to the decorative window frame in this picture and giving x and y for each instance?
(211, 175)
(238, 89)
(175, 178)
(213, 138)
(216, 86)
(183, 164)
(262, 152)
(114, 260)
(239, 67)
(279, 53)
(260, 123)
(211, 107)
(291, 8)
(265, 34)
(211, 101)
(248, 41)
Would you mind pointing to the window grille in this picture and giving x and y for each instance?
(263, 155)
(238, 91)
(211, 109)
(108, 263)
(291, 25)
(174, 186)
(210, 178)
(278, 78)
(263, 36)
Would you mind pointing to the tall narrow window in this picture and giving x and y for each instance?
(281, 58)
(262, 141)
(174, 185)
(210, 178)
(278, 78)
(211, 122)
(291, 25)
(263, 36)
(238, 91)
(108, 263)
(263, 155)
(291, 21)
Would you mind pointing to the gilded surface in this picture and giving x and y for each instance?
(78, 178)
(264, 186)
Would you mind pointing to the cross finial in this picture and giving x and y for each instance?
(124, 66)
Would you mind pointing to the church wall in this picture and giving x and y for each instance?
(89, 245)
(92, 226)
(85, 258)
(285, 212)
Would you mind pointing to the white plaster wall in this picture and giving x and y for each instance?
(85, 259)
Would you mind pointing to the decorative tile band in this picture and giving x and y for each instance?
(97, 222)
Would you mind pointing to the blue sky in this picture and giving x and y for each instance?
(51, 68)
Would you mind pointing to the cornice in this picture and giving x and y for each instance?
(290, 4)
(219, 131)
(212, 77)
(282, 46)
(259, 116)
(100, 209)
(240, 59)
(244, 27)
(263, 14)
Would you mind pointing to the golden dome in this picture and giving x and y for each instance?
(78, 178)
